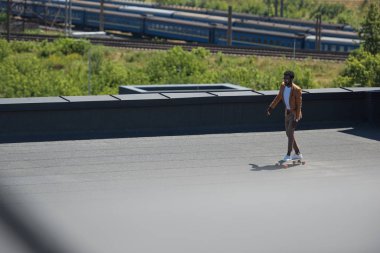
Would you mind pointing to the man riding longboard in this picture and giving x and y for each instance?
(291, 95)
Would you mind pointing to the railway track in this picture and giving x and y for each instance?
(149, 45)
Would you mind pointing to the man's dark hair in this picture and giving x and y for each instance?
(289, 73)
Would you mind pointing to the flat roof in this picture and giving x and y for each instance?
(200, 193)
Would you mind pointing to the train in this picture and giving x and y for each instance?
(211, 19)
(177, 29)
(243, 16)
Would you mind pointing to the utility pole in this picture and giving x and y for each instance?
(229, 31)
(66, 16)
(23, 15)
(70, 17)
(282, 8)
(318, 31)
(8, 20)
(101, 16)
(275, 8)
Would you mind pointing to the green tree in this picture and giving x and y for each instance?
(370, 31)
(362, 69)
(328, 10)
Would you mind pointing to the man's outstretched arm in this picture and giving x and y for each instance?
(274, 103)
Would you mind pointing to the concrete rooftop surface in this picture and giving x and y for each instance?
(193, 193)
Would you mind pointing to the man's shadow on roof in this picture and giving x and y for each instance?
(256, 167)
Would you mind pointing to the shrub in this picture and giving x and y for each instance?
(5, 49)
(23, 46)
(177, 66)
(362, 69)
(70, 46)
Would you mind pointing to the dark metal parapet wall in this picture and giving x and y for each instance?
(23, 119)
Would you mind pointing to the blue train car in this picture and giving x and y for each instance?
(146, 11)
(270, 26)
(177, 29)
(201, 18)
(116, 21)
(332, 44)
(259, 38)
(285, 21)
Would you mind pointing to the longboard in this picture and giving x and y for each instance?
(285, 164)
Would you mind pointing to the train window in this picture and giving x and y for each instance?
(325, 48)
(259, 40)
(265, 41)
(341, 48)
(271, 42)
(333, 48)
